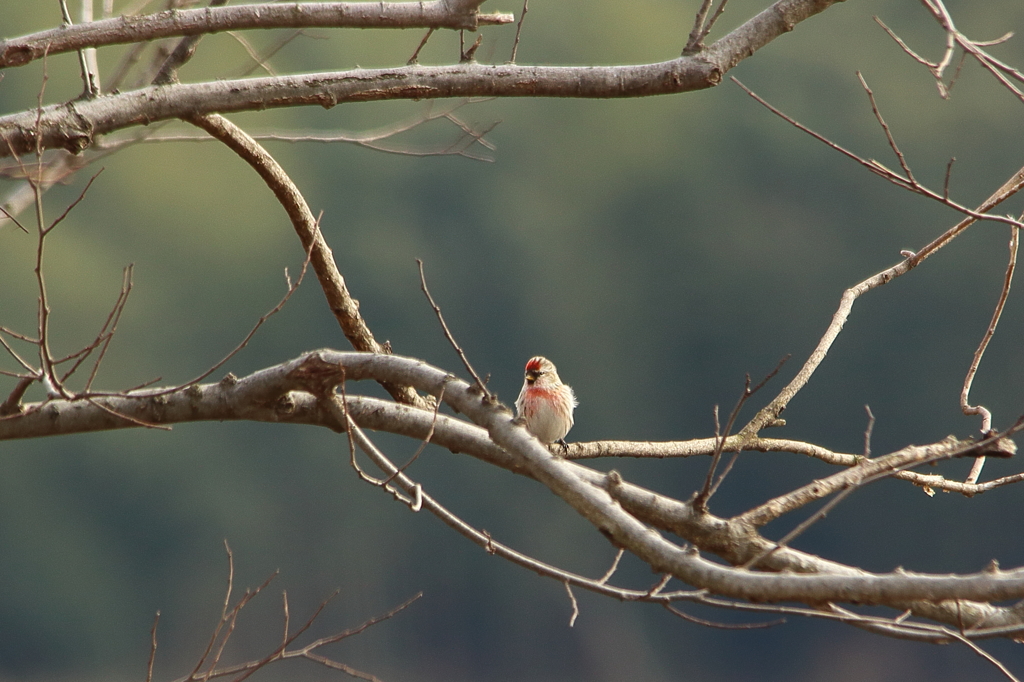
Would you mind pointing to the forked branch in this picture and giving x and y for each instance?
(208, 665)
(1013, 185)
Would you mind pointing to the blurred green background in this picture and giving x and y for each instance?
(657, 250)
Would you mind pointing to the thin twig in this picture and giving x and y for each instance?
(423, 443)
(290, 290)
(903, 45)
(282, 651)
(103, 338)
(771, 412)
(575, 605)
(660, 585)
(73, 204)
(349, 426)
(869, 470)
(470, 54)
(287, 617)
(213, 653)
(611, 570)
(451, 339)
(152, 648)
(889, 175)
(949, 173)
(110, 327)
(710, 488)
(377, 139)
(368, 623)
(121, 415)
(89, 79)
(811, 520)
(965, 406)
(710, 23)
(956, 73)
(14, 220)
(519, 30)
(723, 626)
(416, 54)
(968, 409)
(867, 432)
(885, 127)
(695, 42)
(13, 353)
(223, 611)
(999, 70)
(263, 60)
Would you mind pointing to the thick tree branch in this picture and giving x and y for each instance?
(285, 393)
(282, 400)
(598, 499)
(595, 504)
(74, 125)
(191, 22)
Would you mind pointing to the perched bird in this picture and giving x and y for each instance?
(545, 404)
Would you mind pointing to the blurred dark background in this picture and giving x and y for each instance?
(657, 250)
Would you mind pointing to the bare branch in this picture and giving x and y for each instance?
(89, 77)
(270, 396)
(12, 405)
(451, 339)
(110, 325)
(702, 26)
(152, 648)
(611, 569)
(870, 470)
(74, 126)
(478, 537)
(708, 490)
(575, 605)
(265, 395)
(191, 22)
(867, 432)
(13, 219)
(211, 656)
(968, 409)
(419, 451)
(415, 58)
(519, 30)
(888, 133)
(723, 626)
(1002, 72)
(965, 406)
(597, 504)
(773, 409)
(371, 139)
(356, 630)
(901, 181)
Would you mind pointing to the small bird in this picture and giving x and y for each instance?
(545, 404)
